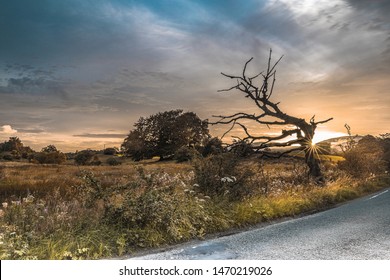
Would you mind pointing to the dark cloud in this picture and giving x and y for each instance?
(35, 86)
(72, 65)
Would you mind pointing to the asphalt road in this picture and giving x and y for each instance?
(357, 230)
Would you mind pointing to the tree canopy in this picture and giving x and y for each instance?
(50, 155)
(162, 134)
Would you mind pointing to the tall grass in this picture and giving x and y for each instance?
(63, 212)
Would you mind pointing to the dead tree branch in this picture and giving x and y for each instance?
(300, 138)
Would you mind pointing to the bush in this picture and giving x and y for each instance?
(153, 208)
(50, 158)
(110, 151)
(8, 157)
(185, 154)
(218, 175)
(95, 161)
(364, 159)
(113, 161)
(241, 149)
(84, 157)
(212, 146)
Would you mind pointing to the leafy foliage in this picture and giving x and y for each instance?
(110, 151)
(385, 142)
(212, 146)
(14, 149)
(242, 148)
(164, 133)
(50, 155)
(218, 175)
(364, 158)
(113, 161)
(185, 154)
(85, 157)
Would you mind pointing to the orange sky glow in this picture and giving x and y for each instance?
(79, 75)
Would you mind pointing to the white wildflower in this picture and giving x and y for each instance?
(4, 204)
(227, 179)
(28, 199)
(82, 250)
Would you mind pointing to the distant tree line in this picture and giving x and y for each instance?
(14, 149)
(183, 136)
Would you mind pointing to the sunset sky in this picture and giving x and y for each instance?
(79, 73)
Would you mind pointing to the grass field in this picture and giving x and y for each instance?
(92, 212)
(330, 158)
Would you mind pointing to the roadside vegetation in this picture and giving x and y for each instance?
(91, 212)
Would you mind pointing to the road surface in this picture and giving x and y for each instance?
(357, 230)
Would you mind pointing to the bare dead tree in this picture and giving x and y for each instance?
(271, 115)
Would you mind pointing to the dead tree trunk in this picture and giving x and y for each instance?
(271, 115)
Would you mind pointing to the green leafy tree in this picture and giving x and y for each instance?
(162, 134)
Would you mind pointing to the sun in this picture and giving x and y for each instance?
(322, 135)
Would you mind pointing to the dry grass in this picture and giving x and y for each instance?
(67, 212)
(21, 179)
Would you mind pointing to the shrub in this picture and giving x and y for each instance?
(212, 146)
(241, 148)
(152, 208)
(110, 151)
(218, 175)
(185, 154)
(50, 157)
(84, 157)
(95, 161)
(113, 161)
(8, 157)
(364, 159)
